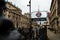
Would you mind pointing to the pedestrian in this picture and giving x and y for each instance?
(7, 30)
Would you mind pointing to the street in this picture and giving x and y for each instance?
(41, 21)
(52, 36)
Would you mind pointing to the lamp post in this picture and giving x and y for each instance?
(30, 9)
(30, 29)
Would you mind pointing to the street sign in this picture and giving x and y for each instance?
(39, 19)
(38, 14)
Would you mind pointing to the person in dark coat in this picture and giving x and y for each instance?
(7, 30)
(5, 24)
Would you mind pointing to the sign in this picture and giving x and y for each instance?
(39, 19)
(38, 14)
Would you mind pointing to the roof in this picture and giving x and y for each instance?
(14, 6)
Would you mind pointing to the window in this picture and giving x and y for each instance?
(8, 16)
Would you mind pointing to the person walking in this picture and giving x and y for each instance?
(7, 29)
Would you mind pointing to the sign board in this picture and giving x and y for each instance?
(39, 19)
(38, 14)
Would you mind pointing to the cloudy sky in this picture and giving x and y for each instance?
(42, 5)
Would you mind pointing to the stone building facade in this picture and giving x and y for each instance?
(55, 15)
(33, 24)
(13, 13)
(58, 9)
(25, 21)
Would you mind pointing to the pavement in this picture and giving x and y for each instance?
(52, 36)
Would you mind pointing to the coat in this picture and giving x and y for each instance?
(7, 30)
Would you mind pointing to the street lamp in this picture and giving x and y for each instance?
(30, 29)
(30, 11)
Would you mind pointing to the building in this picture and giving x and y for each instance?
(13, 13)
(58, 15)
(48, 20)
(33, 24)
(27, 15)
(55, 15)
(25, 21)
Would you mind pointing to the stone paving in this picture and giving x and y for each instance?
(52, 36)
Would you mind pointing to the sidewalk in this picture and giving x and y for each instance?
(52, 36)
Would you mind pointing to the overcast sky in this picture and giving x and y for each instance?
(35, 4)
